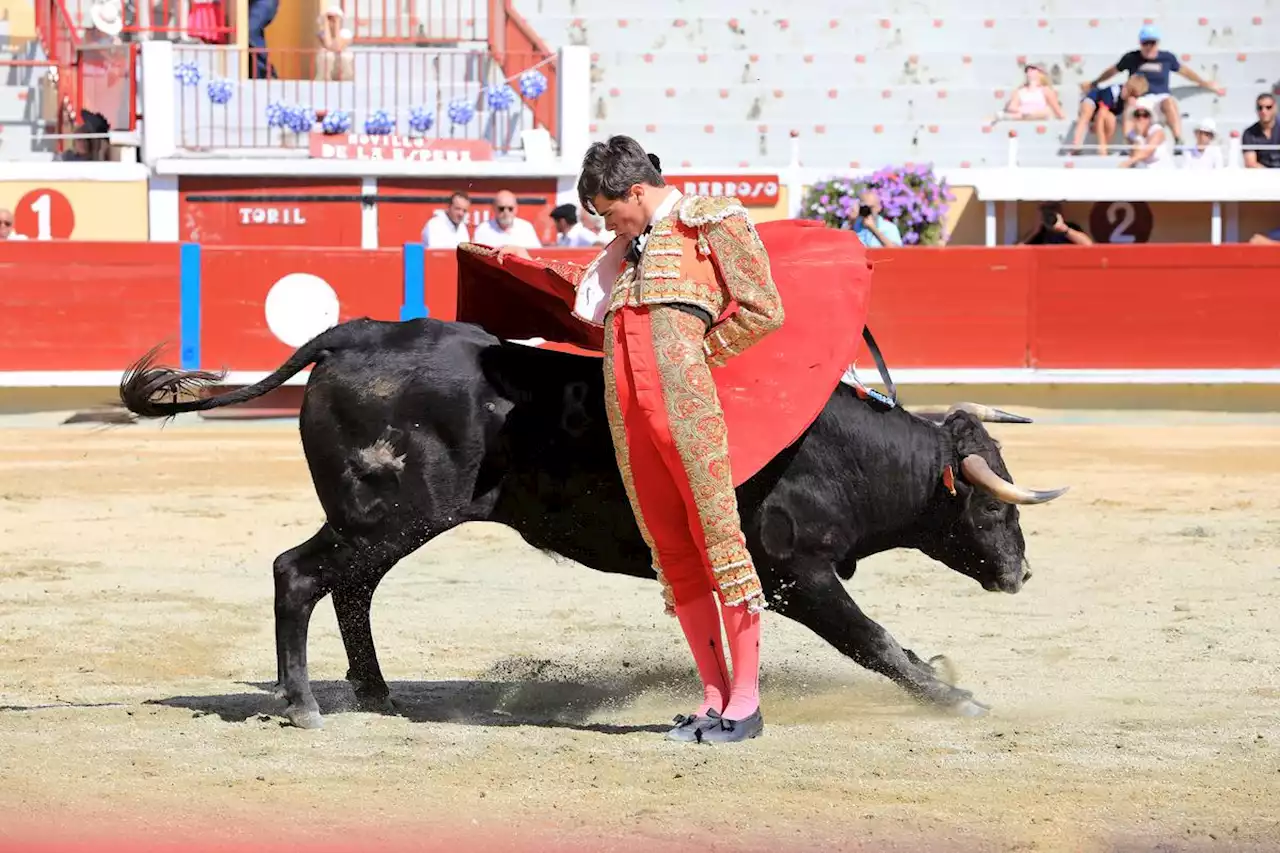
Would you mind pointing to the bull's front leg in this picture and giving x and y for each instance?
(812, 594)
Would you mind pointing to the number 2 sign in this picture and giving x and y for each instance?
(44, 214)
(1120, 222)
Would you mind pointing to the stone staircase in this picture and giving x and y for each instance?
(20, 100)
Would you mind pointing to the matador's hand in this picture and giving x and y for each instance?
(518, 251)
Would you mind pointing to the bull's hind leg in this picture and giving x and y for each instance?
(303, 576)
(814, 597)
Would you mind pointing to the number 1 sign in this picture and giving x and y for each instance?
(44, 214)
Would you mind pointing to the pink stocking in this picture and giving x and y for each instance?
(700, 620)
(743, 629)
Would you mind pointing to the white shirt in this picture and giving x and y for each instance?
(1209, 158)
(521, 233)
(592, 301)
(1160, 156)
(577, 237)
(441, 233)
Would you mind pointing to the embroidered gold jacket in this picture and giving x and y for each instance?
(706, 252)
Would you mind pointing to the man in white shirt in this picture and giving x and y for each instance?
(569, 231)
(595, 224)
(505, 228)
(448, 227)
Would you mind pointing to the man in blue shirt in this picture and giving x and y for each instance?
(1156, 65)
(872, 229)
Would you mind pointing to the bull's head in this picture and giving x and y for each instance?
(980, 535)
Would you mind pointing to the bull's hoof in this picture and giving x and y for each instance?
(305, 718)
(377, 705)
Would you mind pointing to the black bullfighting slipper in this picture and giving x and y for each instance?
(732, 731)
(689, 728)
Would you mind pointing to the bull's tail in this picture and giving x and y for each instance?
(145, 385)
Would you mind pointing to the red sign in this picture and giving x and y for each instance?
(751, 190)
(270, 211)
(405, 204)
(44, 214)
(409, 149)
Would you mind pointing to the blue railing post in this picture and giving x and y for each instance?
(189, 305)
(414, 259)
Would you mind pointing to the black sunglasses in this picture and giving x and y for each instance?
(1142, 114)
(504, 208)
(1261, 107)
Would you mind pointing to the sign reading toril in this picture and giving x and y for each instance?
(409, 149)
(751, 190)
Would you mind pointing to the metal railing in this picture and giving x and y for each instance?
(426, 92)
(206, 21)
(416, 21)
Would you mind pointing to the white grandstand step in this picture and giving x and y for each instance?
(917, 34)
(1156, 9)
(996, 70)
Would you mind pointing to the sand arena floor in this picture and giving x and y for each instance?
(1134, 682)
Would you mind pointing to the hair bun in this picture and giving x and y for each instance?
(657, 164)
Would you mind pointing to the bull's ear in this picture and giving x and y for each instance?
(949, 479)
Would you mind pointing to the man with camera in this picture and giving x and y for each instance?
(873, 229)
(1054, 230)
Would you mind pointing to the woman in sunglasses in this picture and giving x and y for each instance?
(1150, 148)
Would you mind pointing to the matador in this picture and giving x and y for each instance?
(659, 290)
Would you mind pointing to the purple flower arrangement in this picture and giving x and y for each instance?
(912, 197)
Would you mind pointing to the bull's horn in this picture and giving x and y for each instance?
(979, 474)
(987, 414)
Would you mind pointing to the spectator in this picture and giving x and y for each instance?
(6, 226)
(505, 228)
(448, 227)
(1034, 99)
(1056, 231)
(1270, 239)
(334, 61)
(89, 144)
(261, 14)
(1156, 65)
(569, 231)
(1206, 153)
(595, 224)
(1150, 144)
(1102, 105)
(1264, 131)
(872, 229)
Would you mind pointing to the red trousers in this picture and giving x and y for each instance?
(673, 452)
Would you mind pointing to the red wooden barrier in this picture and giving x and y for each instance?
(237, 318)
(85, 306)
(75, 306)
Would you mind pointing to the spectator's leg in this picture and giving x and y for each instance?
(261, 14)
(1083, 117)
(1169, 106)
(1104, 127)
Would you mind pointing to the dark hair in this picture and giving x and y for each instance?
(1264, 96)
(611, 168)
(459, 194)
(566, 212)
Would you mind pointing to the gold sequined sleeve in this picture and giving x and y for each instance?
(744, 263)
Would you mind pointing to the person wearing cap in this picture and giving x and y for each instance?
(335, 60)
(1035, 99)
(569, 231)
(1206, 153)
(1156, 65)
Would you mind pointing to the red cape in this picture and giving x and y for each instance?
(772, 392)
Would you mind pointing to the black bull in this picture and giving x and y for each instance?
(411, 429)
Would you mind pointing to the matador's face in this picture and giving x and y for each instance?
(626, 216)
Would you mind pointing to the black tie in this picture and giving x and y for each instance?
(633, 251)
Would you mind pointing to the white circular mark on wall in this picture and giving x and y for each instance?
(299, 307)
